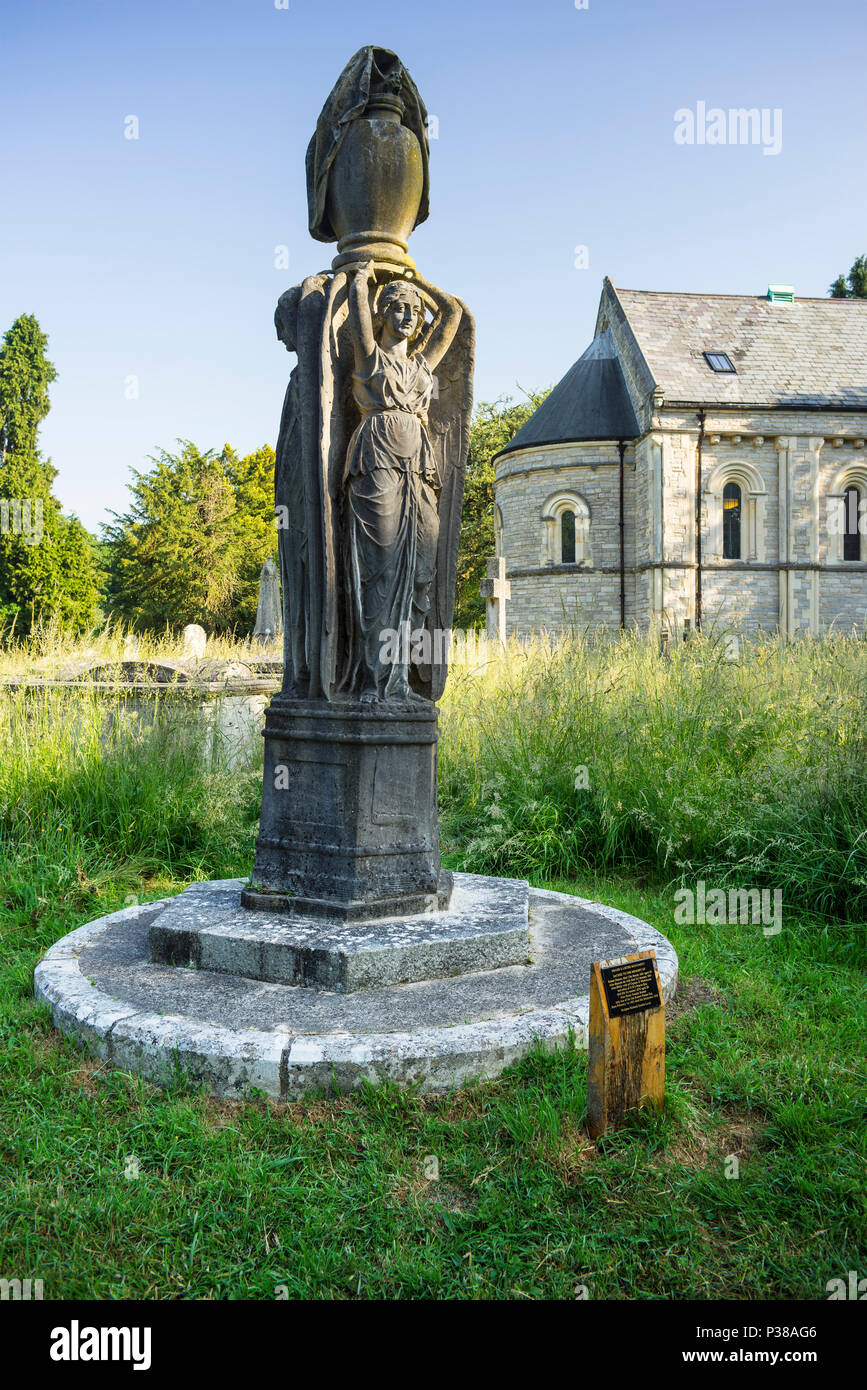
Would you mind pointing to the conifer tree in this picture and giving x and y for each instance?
(46, 559)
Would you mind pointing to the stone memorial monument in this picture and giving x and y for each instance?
(269, 609)
(349, 955)
(369, 481)
(495, 589)
(194, 640)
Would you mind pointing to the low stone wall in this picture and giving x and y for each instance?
(224, 719)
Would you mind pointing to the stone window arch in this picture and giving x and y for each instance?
(736, 496)
(851, 516)
(565, 530)
(847, 514)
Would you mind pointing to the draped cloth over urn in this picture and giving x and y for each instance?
(371, 457)
(373, 441)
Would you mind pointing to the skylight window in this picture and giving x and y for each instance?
(719, 361)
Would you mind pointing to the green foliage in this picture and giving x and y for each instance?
(494, 424)
(25, 376)
(194, 540)
(111, 795)
(333, 1198)
(853, 285)
(252, 479)
(47, 567)
(751, 772)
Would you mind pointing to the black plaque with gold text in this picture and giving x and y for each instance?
(630, 987)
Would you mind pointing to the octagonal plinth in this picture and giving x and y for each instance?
(239, 1036)
(485, 927)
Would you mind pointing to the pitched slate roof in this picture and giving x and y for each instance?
(590, 403)
(810, 353)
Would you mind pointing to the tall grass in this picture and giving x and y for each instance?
(51, 648)
(753, 770)
(747, 772)
(97, 801)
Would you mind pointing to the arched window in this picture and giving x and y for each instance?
(731, 522)
(851, 534)
(846, 509)
(565, 535)
(736, 499)
(567, 538)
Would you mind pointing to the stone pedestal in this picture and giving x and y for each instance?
(484, 928)
(349, 823)
(243, 1034)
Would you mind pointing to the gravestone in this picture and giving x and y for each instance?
(496, 589)
(194, 639)
(269, 611)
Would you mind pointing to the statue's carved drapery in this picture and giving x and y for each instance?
(370, 475)
(369, 483)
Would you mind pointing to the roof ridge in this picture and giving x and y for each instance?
(754, 298)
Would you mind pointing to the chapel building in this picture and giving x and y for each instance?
(703, 463)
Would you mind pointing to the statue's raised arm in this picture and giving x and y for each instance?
(438, 335)
(376, 427)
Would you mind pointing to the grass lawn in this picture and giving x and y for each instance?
(114, 1188)
(333, 1198)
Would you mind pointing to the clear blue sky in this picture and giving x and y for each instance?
(155, 257)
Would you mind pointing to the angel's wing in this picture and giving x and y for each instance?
(449, 425)
(338, 415)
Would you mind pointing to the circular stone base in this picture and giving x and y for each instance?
(238, 1035)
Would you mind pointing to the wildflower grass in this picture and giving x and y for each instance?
(752, 771)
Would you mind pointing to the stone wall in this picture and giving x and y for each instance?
(545, 593)
(791, 572)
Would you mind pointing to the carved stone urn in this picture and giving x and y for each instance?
(375, 187)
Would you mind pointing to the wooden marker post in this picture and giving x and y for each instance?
(627, 1039)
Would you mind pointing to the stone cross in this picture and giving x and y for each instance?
(496, 589)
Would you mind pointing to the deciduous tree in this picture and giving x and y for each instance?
(494, 424)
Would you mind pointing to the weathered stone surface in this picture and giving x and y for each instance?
(349, 825)
(485, 926)
(369, 476)
(269, 610)
(389, 194)
(236, 1035)
(792, 452)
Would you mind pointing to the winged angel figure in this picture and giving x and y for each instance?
(370, 472)
(370, 477)
(373, 441)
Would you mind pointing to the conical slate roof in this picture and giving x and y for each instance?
(591, 402)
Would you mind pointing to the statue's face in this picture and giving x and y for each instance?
(401, 315)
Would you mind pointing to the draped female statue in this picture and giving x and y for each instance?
(373, 440)
(392, 476)
(369, 478)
